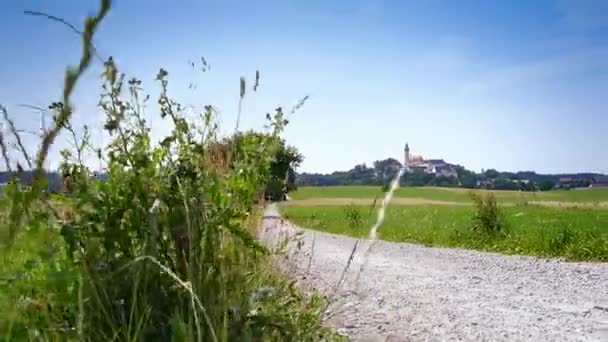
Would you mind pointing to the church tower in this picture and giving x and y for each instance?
(406, 159)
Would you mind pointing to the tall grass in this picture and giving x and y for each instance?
(164, 249)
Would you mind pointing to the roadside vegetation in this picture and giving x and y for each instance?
(586, 196)
(165, 248)
(576, 234)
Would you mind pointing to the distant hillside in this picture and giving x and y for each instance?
(55, 179)
(26, 178)
(383, 171)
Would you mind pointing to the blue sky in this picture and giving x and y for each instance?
(512, 85)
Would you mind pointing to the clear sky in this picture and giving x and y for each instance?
(512, 85)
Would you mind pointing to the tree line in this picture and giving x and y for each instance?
(381, 173)
(287, 158)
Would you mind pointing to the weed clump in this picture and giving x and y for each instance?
(489, 217)
(353, 216)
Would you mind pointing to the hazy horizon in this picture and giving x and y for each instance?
(513, 86)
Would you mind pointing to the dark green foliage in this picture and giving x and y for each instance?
(443, 181)
(282, 170)
(383, 172)
(417, 178)
(546, 185)
(467, 179)
(491, 174)
(503, 183)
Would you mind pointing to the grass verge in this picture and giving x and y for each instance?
(39, 297)
(587, 196)
(572, 233)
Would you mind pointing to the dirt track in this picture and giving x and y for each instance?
(412, 293)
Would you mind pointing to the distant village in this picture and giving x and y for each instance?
(420, 171)
(437, 167)
(441, 168)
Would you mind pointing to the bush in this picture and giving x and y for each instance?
(489, 217)
(353, 216)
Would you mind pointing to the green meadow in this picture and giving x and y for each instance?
(576, 233)
(589, 196)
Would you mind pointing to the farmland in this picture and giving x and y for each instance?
(587, 196)
(568, 224)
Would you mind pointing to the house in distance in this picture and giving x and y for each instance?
(438, 167)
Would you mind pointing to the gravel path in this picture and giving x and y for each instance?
(408, 292)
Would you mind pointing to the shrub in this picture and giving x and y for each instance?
(489, 217)
(353, 216)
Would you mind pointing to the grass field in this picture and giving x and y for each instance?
(571, 233)
(452, 194)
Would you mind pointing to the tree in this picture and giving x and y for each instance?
(417, 178)
(467, 178)
(443, 181)
(491, 174)
(282, 169)
(505, 184)
(284, 159)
